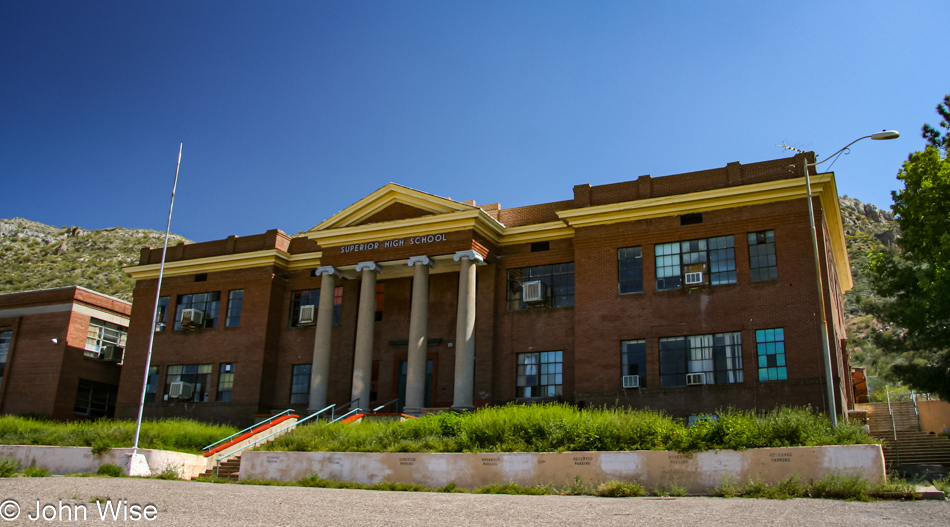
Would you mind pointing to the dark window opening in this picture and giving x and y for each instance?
(691, 219)
(201, 277)
(540, 246)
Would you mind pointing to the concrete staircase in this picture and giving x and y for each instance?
(911, 446)
(916, 448)
(229, 469)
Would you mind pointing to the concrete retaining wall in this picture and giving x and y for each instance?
(68, 459)
(699, 472)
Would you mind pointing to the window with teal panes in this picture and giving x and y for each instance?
(770, 346)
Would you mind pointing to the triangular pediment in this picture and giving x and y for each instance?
(391, 203)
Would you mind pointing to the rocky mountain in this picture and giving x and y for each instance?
(38, 256)
(867, 228)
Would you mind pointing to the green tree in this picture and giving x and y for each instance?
(918, 279)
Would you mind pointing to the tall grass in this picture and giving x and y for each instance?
(562, 427)
(182, 435)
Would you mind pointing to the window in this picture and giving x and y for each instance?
(161, 317)
(557, 285)
(300, 384)
(380, 296)
(151, 386)
(95, 399)
(630, 268)
(715, 257)
(311, 297)
(762, 256)
(205, 303)
(105, 340)
(633, 359)
(539, 374)
(718, 357)
(196, 378)
(5, 338)
(225, 382)
(537, 247)
(235, 299)
(770, 346)
(691, 219)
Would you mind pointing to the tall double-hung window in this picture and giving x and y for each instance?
(701, 359)
(105, 340)
(762, 262)
(199, 310)
(696, 262)
(541, 286)
(540, 374)
(770, 348)
(304, 304)
(630, 269)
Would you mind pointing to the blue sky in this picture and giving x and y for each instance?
(291, 111)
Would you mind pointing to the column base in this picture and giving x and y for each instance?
(415, 412)
(459, 408)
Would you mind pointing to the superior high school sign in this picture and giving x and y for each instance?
(389, 244)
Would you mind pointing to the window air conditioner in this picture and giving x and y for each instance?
(631, 381)
(694, 278)
(533, 292)
(695, 378)
(181, 390)
(192, 318)
(111, 353)
(306, 314)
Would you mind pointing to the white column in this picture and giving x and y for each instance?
(365, 326)
(418, 329)
(465, 332)
(320, 370)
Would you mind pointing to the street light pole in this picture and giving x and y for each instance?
(825, 344)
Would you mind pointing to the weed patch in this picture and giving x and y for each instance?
(9, 466)
(110, 469)
(562, 427)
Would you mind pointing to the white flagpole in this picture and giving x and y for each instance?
(151, 336)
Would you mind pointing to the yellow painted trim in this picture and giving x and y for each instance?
(295, 262)
(474, 218)
(386, 196)
(822, 185)
(552, 230)
(225, 262)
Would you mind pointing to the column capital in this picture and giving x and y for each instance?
(368, 266)
(469, 255)
(327, 269)
(421, 260)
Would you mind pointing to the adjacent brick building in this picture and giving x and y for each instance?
(686, 293)
(61, 352)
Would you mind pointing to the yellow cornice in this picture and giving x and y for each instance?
(296, 262)
(822, 185)
(225, 262)
(552, 230)
(472, 219)
(385, 196)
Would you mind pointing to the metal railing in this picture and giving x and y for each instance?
(913, 397)
(893, 425)
(341, 407)
(347, 414)
(248, 429)
(217, 466)
(378, 408)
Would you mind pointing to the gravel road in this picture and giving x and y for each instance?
(191, 503)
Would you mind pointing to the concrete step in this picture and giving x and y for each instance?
(229, 469)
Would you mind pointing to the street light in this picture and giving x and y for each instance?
(826, 347)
